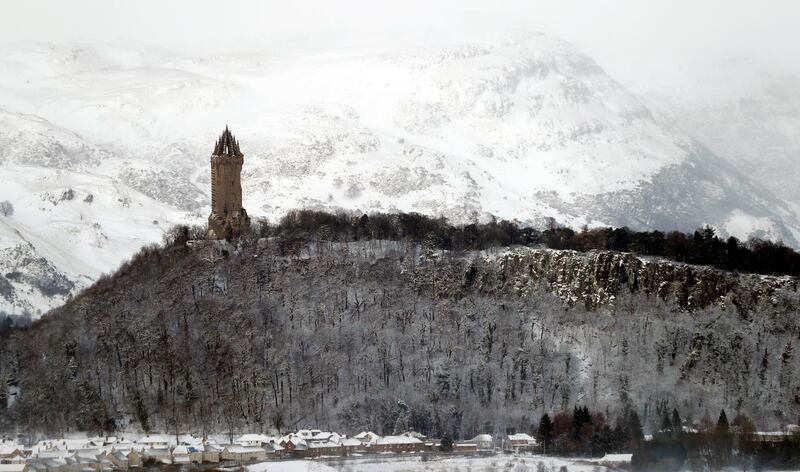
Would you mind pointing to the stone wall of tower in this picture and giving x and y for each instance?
(226, 185)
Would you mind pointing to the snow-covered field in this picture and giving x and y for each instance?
(498, 463)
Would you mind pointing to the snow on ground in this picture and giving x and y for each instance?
(290, 466)
(500, 462)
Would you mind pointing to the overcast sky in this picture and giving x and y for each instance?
(608, 30)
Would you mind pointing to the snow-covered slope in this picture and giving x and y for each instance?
(745, 110)
(521, 128)
(66, 229)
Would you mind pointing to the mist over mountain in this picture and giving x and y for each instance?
(746, 110)
(519, 127)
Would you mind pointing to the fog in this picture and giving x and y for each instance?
(616, 33)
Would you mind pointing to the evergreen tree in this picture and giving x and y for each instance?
(666, 424)
(545, 432)
(677, 423)
(722, 423)
(634, 427)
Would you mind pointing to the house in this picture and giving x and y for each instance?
(397, 444)
(118, 459)
(134, 458)
(184, 454)
(156, 456)
(367, 437)
(155, 441)
(319, 449)
(243, 453)
(253, 440)
(465, 447)
(293, 443)
(274, 450)
(483, 441)
(211, 453)
(351, 446)
(7, 451)
(519, 442)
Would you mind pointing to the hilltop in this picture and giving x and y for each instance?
(275, 332)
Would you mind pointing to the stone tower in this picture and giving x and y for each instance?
(228, 218)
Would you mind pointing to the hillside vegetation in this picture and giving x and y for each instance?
(300, 329)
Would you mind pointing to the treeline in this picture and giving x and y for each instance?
(715, 446)
(703, 247)
(588, 433)
(8, 324)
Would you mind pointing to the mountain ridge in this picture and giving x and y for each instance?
(527, 128)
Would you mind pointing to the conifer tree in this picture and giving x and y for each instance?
(722, 423)
(677, 423)
(545, 432)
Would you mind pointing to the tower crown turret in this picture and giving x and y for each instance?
(227, 145)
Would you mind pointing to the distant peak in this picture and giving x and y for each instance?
(227, 145)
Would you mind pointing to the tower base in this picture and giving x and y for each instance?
(231, 226)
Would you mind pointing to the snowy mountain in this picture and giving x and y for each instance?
(520, 128)
(745, 110)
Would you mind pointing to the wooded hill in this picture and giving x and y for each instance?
(301, 330)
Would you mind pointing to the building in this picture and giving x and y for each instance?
(319, 449)
(243, 453)
(134, 459)
(155, 440)
(519, 442)
(352, 446)
(397, 444)
(9, 451)
(483, 442)
(274, 450)
(253, 440)
(367, 437)
(183, 454)
(228, 218)
(119, 459)
(211, 453)
(157, 456)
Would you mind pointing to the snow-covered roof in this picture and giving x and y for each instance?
(273, 447)
(51, 454)
(12, 467)
(156, 452)
(119, 455)
(482, 438)
(398, 440)
(237, 449)
(154, 439)
(251, 438)
(6, 449)
(521, 437)
(318, 445)
(350, 442)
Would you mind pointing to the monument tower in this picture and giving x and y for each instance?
(228, 219)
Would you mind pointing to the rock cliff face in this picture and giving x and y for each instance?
(338, 335)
